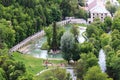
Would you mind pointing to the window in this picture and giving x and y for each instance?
(101, 14)
(105, 14)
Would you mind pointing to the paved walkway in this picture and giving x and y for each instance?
(68, 69)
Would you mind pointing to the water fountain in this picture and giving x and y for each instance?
(102, 61)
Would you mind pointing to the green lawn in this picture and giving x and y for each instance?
(33, 65)
(58, 73)
(84, 25)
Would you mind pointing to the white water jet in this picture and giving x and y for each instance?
(102, 61)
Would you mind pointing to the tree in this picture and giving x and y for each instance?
(7, 2)
(80, 69)
(108, 24)
(75, 32)
(60, 32)
(115, 44)
(56, 13)
(48, 31)
(66, 8)
(107, 49)
(2, 74)
(111, 8)
(76, 52)
(86, 47)
(81, 2)
(95, 73)
(54, 45)
(27, 76)
(92, 31)
(96, 43)
(86, 61)
(67, 45)
(113, 69)
(115, 35)
(105, 39)
(27, 3)
(116, 21)
(81, 13)
(7, 34)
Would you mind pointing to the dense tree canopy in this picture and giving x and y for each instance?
(95, 73)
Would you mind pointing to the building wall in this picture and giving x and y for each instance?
(101, 16)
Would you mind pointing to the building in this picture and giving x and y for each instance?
(96, 9)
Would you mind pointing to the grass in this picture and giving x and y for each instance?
(52, 73)
(83, 25)
(33, 65)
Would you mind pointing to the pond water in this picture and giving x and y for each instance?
(38, 53)
(81, 39)
(35, 50)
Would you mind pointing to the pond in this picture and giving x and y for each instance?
(35, 50)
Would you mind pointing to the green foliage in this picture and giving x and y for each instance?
(27, 76)
(107, 48)
(54, 74)
(96, 44)
(67, 45)
(7, 2)
(81, 2)
(66, 8)
(27, 3)
(107, 24)
(7, 35)
(54, 45)
(113, 67)
(75, 32)
(45, 46)
(86, 61)
(76, 52)
(26, 17)
(33, 65)
(2, 74)
(92, 31)
(86, 47)
(116, 21)
(48, 31)
(105, 39)
(111, 8)
(12, 70)
(95, 73)
(54, 36)
(81, 13)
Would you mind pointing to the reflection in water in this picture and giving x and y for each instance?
(38, 53)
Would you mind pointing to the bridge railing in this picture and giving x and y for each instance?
(24, 42)
(40, 34)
